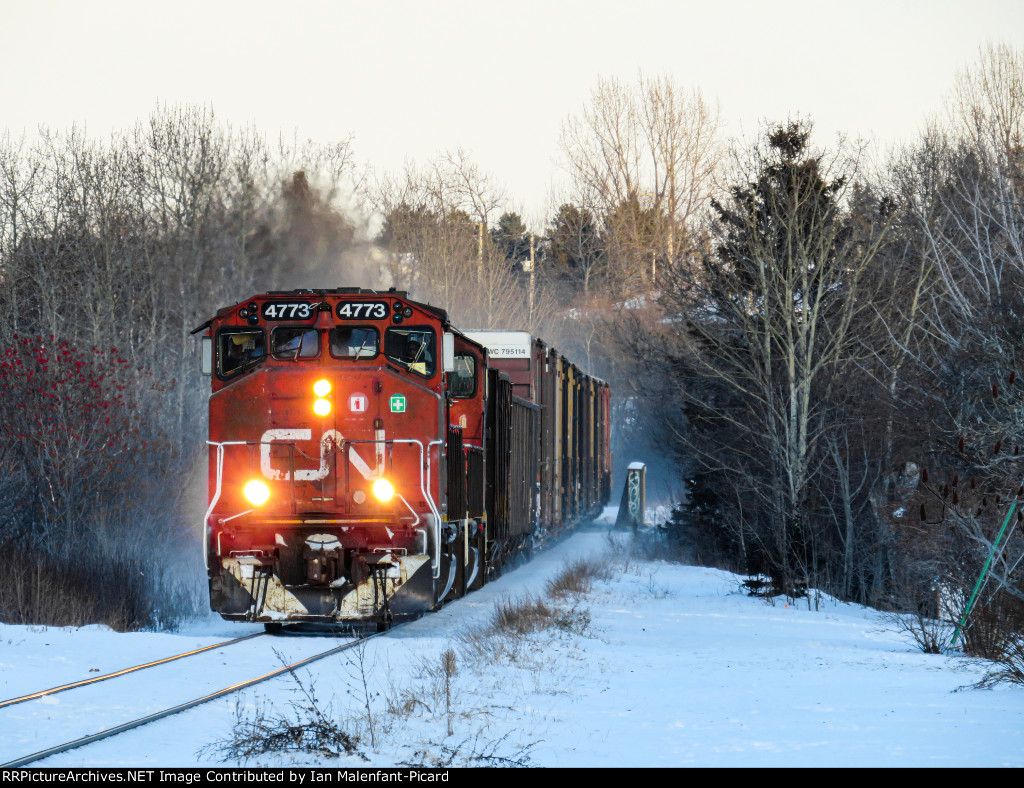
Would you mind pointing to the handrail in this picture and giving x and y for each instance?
(424, 490)
(435, 560)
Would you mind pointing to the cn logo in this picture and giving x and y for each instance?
(329, 442)
(357, 403)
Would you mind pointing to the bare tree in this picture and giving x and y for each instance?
(988, 99)
(967, 363)
(20, 178)
(435, 227)
(645, 156)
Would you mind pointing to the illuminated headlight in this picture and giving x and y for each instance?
(383, 490)
(322, 407)
(322, 388)
(257, 493)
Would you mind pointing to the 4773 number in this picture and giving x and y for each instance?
(362, 310)
(290, 310)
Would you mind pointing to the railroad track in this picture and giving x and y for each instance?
(116, 673)
(127, 726)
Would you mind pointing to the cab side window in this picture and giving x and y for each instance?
(412, 348)
(462, 382)
(239, 350)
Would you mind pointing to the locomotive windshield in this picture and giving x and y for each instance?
(411, 348)
(238, 350)
(354, 342)
(293, 343)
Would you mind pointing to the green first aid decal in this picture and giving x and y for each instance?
(397, 403)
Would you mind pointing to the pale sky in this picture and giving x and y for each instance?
(412, 79)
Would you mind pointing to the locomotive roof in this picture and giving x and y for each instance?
(393, 292)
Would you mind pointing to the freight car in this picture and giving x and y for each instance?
(369, 462)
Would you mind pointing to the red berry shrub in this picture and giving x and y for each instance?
(66, 426)
(77, 522)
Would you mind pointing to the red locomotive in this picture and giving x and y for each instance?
(369, 462)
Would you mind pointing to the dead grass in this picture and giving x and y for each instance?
(577, 577)
(475, 751)
(504, 640)
(1009, 665)
(522, 616)
(480, 646)
(124, 592)
(434, 694)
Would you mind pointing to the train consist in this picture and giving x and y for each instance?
(369, 462)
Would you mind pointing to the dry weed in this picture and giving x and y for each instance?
(309, 728)
(475, 751)
(577, 577)
(522, 616)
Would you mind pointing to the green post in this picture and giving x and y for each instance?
(981, 577)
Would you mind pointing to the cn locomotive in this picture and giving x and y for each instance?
(369, 462)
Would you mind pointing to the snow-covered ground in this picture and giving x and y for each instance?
(663, 665)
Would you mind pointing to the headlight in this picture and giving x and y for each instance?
(322, 407)
(383, 490)
(322, 388)
(257, 492)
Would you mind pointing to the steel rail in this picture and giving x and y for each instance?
(127, 726)
(115, 674)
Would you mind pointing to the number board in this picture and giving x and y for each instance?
(362, 310)
(289, 310)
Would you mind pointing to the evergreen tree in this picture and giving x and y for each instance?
(511, 237)
(573, 247)
(768, 347)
